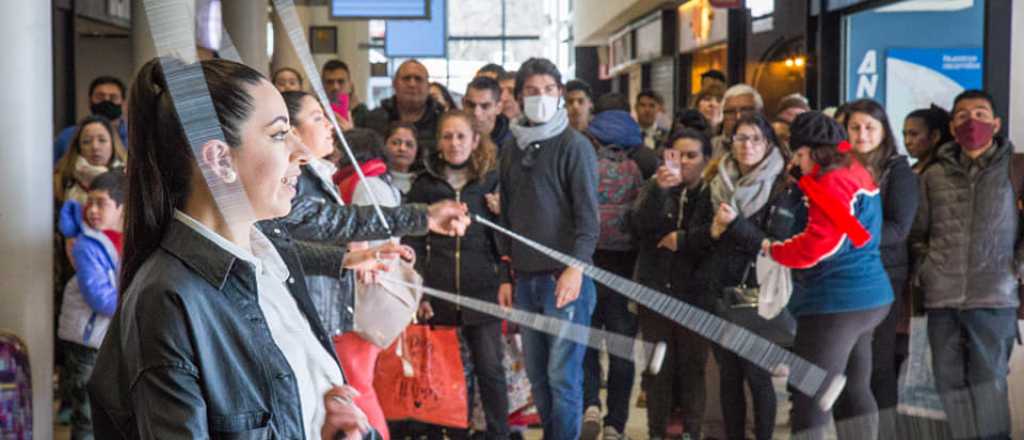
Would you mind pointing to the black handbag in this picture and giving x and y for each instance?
(738, 304)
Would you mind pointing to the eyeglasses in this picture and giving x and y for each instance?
(739, 112)
(742, 138)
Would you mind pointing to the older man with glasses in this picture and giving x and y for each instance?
(739, 100)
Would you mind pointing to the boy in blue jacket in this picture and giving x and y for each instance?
(90, 297)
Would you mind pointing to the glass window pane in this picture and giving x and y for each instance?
(522, 50)
(466, 56)
(474, 18)
(525, 17)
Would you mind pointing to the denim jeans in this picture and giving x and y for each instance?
(612, 314)
(554, 365)
(970, 356)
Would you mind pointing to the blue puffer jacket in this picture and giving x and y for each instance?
(90, 297)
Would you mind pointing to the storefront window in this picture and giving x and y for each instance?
(931, 50)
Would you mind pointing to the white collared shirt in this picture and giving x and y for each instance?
(314, 368)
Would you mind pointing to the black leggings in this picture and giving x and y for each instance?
(841, 344)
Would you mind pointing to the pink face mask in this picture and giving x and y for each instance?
(974, 134)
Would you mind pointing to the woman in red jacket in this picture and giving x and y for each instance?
(841, 290)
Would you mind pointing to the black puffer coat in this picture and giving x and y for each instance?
(469, 265)
(658, 212)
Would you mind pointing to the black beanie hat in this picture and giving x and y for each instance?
(814, 129)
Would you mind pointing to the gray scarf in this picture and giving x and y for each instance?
(527, 135)
(749, 193)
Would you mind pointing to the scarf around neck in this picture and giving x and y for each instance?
(749, 193)
(85, 172)
(527, 135)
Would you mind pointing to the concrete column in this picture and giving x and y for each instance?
(352, 34)
(26, 214)
(1016, 110)
(143, 48)
(246, 22)
(284, 52)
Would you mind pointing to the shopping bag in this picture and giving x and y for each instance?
(435, 392)
(384, 309)
(776, 286)
(917, 394)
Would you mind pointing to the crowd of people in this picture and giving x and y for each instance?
(176, 321)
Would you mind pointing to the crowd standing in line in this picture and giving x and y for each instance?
(259, 313)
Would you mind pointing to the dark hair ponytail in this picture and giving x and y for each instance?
(874, 161)
(293, 101)
(160, 160)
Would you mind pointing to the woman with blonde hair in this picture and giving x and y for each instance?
(464, 168)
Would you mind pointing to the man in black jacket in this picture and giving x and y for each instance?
(483, 101)
(411, 104)
(966, 238)
(548, 178)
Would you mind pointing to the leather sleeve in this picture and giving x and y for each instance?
(314, 219)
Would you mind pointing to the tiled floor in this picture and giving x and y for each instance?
(636, 427)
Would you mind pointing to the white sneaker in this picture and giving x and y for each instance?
(591, 423)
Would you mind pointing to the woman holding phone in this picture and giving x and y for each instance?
(665, 220)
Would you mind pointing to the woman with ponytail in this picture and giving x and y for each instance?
(841, 291)
(215, 335)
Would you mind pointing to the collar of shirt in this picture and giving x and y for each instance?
(264, 255)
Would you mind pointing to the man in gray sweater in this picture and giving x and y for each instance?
(548, 175)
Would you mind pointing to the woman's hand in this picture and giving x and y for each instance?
(345, 124)
(723, 218)
(670, 241)
(448, 217)
(368, 262)
(343, 418)
(505, 295)
(493, 202)
(667, 177)
(766, 247)
(425, 312)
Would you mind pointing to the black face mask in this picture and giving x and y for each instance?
(107, 109)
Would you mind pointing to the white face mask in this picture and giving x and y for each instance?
(541, 108)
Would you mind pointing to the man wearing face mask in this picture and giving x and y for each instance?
(106, 94)
(548, 178)
(966, 239)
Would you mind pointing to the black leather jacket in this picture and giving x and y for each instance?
(189, 354)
